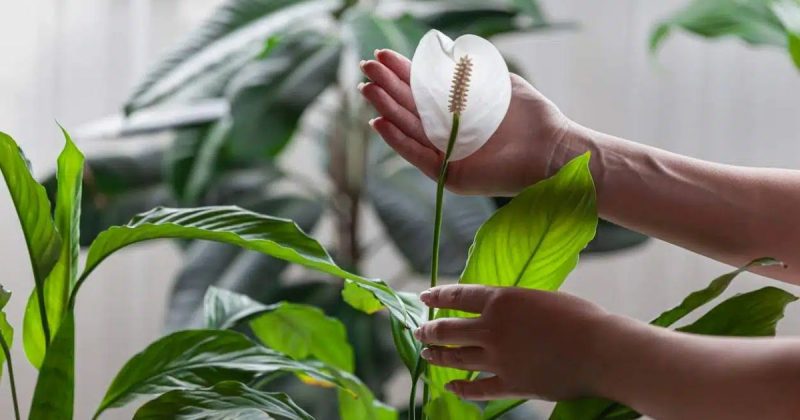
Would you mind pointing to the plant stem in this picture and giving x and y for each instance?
(437, 230)
(43, 314)
(11, 376)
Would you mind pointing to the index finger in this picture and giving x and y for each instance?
(396, 62)
(462, 297)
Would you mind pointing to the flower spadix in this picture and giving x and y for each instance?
(468, 77)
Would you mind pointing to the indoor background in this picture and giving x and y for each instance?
(76, 61)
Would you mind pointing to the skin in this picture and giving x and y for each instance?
(555, 346)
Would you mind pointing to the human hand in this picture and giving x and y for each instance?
(537, 344)
(516, 156)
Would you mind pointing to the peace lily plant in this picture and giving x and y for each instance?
(229, 367)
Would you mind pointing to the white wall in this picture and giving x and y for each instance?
(75, 61)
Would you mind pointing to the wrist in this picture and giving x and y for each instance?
(625, 353)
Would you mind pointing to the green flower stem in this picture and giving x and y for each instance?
(437, 231)
(7, 352)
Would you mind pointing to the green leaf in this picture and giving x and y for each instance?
(701, 297)
(229, 267)
(302, 332)
(407, 347)
(279, 238)
(404, 201)
(360, 299)
(269, 96)
(534, 241)
(203, 63)
(752, 314)
(54, 395)
(497, 408)
(59, 283)
(269, 46)
(195, 359)
(224, 400)
(33, 210)
(224, 309)
(6, 331)
(751, 21)
(448, 406)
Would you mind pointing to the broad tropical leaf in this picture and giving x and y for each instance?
(279, 238)
(404, 201)
(6, 331)
(230, 267)
(223, 401)
(534, 241)
(701, 297)
(788, 12)
(33, 210)
(233, 36)
(54, 396)
(59, 283)
(302, 332)
(196, 359)
(224, 309)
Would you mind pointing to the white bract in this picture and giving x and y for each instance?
(487, 99)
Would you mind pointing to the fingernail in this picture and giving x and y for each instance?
(425, 296)
(360, 86)
(375, 53)
(362, 63)
(425, 354)
(418, 333)
(372, 122)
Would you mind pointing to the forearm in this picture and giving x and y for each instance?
(732, 214)
(669, 375)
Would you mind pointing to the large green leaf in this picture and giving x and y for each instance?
(404, 201)
(700, 297)
(229, 267)
(201, 358)
(33, 210)
(269, 96)
(367, 32)
(753, 314)
(6, 330)
(534, 241)
(59, 283)
(279, 238)
(302, 332)
(224, 401)
(54, 395)
(202, 64)
(757, 22)
(224, 309)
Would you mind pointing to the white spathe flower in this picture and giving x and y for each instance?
(487, 98)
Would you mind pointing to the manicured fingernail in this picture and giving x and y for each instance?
(425, 354)
(418, 333)
(360, 86)
(425, 296)
(375, 53)
(372, 122)
(362, 63)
